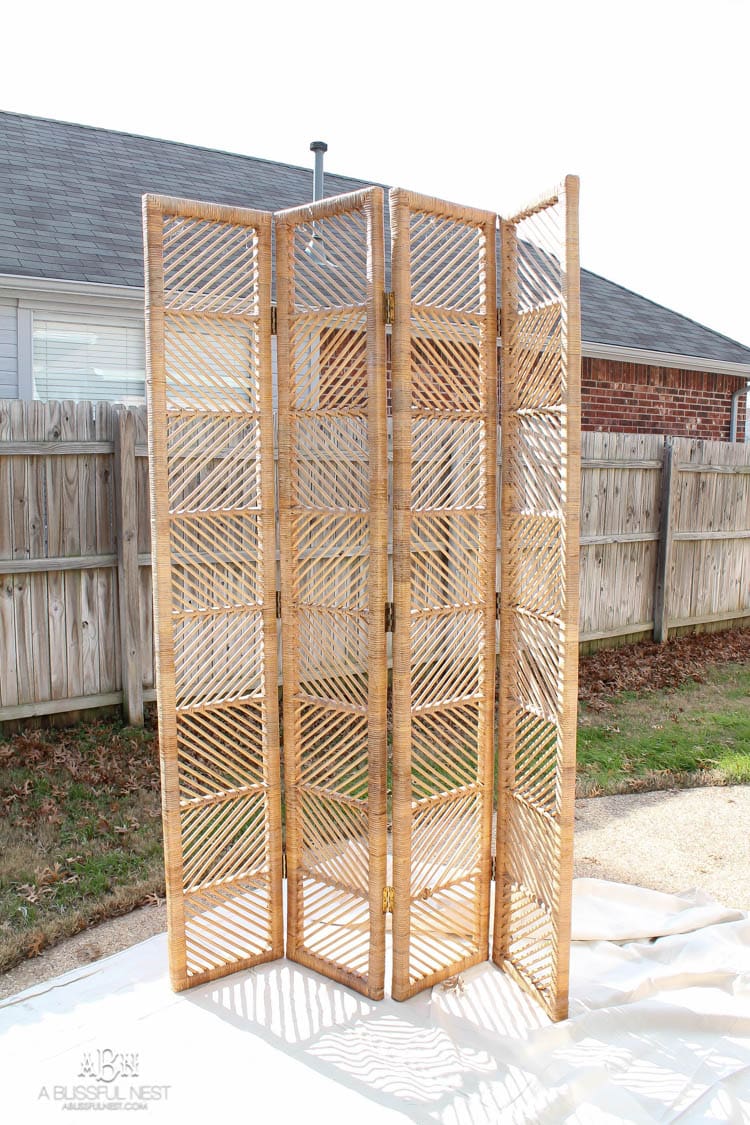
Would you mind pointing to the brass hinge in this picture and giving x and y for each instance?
(390, 617)
(388, 900)
(278, 603)
(498, 606)
(493, 868)
(499, 321)
(283, 865)
(274, 321)
(389, 307)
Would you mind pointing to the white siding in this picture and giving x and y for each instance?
(8, 348)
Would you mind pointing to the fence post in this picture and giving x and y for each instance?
(661, 586)
(126, 516)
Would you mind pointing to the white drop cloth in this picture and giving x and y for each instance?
(659, 1031)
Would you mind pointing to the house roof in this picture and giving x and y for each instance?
(611, 314)
(70, 209)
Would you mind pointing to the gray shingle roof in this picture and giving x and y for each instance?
(70, 209)
(70, 195)
(611, 314)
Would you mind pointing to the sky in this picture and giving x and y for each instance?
(484, 103)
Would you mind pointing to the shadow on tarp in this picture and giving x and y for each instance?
(660, 1029)
(399, 1055)
(489, 1054)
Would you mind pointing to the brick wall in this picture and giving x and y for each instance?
(636, 398)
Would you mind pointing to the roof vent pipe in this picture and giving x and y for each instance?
(319, 148)
(315, 248)
(735, 411)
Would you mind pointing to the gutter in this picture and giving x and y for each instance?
(735, 411)
(33, 286)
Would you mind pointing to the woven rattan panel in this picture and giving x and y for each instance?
(334, 530)
(212, 494)
(539, 619)
(444, 454)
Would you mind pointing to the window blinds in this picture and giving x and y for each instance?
(88, 361)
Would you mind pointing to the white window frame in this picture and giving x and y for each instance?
(67, 312)
(75, 323)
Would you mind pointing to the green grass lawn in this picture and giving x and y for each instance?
(80, 832)
(697, 734)
(80, 820)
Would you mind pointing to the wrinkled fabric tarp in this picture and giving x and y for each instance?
(659, 1031)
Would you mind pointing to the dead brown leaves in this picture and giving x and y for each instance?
(651, 667)
(98, 756)
(47, 880)
(36, 944)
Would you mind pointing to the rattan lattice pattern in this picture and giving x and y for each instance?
(334, 533)
(444, 424)
(215, 579)
(539, 591)
(212, 486)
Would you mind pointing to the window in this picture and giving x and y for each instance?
(74, 360)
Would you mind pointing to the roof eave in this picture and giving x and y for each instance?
(33, 286)
(593, 350)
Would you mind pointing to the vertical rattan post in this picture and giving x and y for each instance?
(377, 704)
(571, 377)
(289, 640)
(539, 599)
(488, 567)
(401, 400)
(508, 595)
(162, 593)
(271, 734)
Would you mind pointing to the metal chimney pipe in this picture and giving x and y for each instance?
(318, 147)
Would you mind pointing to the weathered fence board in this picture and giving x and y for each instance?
(60, 633)
(710, 571)
(617, 499)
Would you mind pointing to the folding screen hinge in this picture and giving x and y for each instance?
(499, 321)
(278, 603)
(498, 606)
(389, 307)
(389, 896)
(390, 617)
(493, 868)
(274, 321)
(283, 864)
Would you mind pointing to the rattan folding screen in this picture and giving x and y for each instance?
(444, 548)
(218, 587)
(334, 537)
(212, 516)
(539, 595)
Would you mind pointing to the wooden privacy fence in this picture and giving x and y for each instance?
(665, 535)
(75, 549)
(75, 596)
